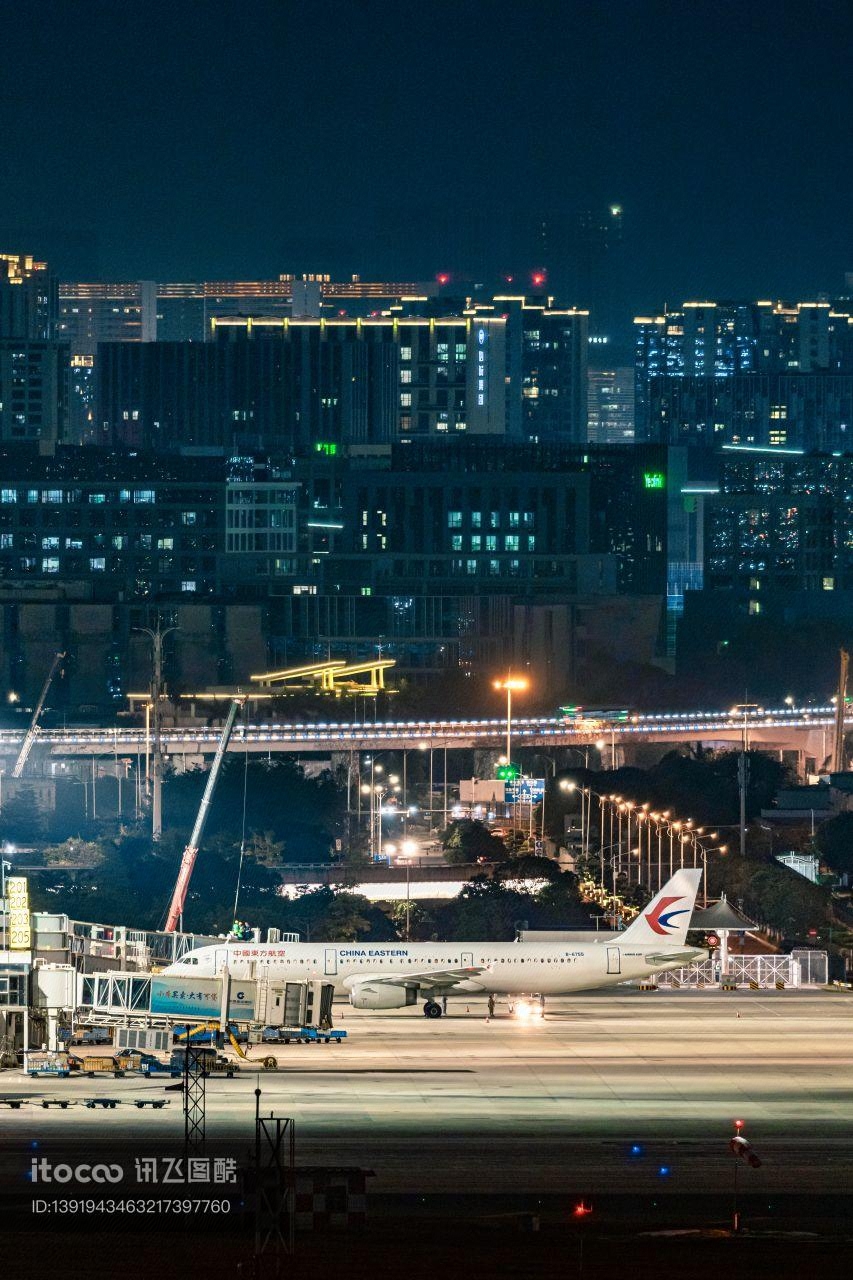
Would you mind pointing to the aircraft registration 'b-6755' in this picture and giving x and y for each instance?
(394, 975)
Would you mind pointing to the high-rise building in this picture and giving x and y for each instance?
(27, 298)
(547, 362)
(33, 390)
(287, 385)
(610, 404)
(695, 367)
(175, 311)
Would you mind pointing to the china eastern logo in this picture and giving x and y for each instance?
(661, 919)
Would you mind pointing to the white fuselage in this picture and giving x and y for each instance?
(499, 968)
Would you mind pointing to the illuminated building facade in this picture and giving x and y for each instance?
(284, 385)
(745, 373)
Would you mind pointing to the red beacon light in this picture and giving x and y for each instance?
(443, 277)
(539, 277)
(739, 1125)
(581, 1210)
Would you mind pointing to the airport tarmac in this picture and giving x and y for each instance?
(466, 1105)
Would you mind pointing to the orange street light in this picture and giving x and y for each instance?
(512, 684)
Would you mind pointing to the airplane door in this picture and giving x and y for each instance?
(220, 960)
(331, 960)
(468, 959)
(614, 960)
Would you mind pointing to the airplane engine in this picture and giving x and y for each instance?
(377, 995)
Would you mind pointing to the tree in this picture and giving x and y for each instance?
(23, 819)
(264, 848)
(834, 842)
(529, 866)
(467, 840)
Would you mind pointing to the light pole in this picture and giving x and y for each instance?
(743, 766)
(409, 848)
(511, 684)
(157, 637)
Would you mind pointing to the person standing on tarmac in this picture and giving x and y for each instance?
(491, 1006)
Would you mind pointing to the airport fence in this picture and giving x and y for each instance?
(799, 969)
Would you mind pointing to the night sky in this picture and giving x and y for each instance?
(210, 140)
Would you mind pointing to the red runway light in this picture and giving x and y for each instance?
(581, 1210)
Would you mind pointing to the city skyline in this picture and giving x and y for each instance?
(238, 160)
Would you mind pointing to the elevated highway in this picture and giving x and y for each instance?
(805, 730)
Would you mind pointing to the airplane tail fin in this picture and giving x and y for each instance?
(667, 917)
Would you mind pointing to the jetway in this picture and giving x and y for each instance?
(150, 999)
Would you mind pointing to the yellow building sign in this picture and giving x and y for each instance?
(18, 897)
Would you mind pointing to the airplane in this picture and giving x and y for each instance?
(393, 975)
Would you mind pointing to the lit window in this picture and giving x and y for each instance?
(456, 542)
(50, 564)
(188, 584)
(143, 495)
(8, 495)
(827, 584)
(405, 375)
(405, 353)
(97, 564)
(511, 542)
(50, 544)
(405, 399)
(189, 517)
(454, 519)
(96, 499)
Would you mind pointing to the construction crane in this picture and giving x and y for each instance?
(841, 698)
(32, 732)
(179, 894)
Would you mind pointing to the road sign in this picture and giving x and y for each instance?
(525, 790)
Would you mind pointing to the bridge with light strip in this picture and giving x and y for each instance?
(805, 730)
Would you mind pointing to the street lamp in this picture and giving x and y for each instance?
(512, 684)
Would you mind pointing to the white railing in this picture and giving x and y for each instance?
(802, 968)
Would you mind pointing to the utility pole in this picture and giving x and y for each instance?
(742, 775)
(838, 761)
(157, 637)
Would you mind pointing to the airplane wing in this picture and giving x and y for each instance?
(430, 978)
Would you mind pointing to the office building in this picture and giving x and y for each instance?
(778, 555)
(610, 404)
(266, 384)
(778, 410)
(33, 391)
(706, 344)
(780, 524)
(455, 555)
(139, 527)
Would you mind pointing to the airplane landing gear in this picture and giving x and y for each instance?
(432, 1010)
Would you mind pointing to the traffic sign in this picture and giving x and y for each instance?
(525, 790)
